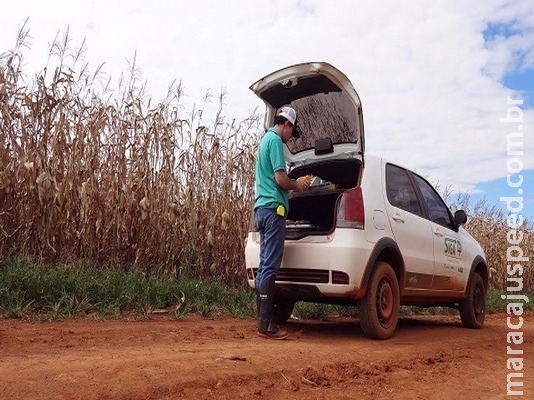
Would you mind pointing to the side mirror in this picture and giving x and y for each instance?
(460, 217)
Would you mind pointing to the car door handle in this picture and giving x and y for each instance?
(398, 218)
(437, 232)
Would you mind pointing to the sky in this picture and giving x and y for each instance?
(443, 84)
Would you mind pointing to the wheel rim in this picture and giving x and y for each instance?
(384, 301)
(478, 302)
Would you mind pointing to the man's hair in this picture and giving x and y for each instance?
(280, 120)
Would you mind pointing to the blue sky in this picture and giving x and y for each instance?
(520, 77)
(492, 191)
(433, 76)
(521, 80)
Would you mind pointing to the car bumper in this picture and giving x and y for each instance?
(330, 266)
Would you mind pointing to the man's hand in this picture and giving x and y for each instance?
(302, 184)
(286, 183)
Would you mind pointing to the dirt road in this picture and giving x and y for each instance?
(429, 358)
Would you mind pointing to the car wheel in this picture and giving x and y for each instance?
(379, 308)
(473, 308)
(283, 309)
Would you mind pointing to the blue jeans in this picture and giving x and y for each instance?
(272, 230)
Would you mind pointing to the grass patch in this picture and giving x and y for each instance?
(494, 304)
(32, 291)
(322, 311)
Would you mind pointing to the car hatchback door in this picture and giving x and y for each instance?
(327, 105)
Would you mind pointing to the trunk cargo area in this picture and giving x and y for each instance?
(314, 211)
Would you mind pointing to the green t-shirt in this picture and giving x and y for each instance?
(270, 158)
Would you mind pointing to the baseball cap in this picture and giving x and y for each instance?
(291, 115)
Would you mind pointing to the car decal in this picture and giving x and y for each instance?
(418, 280)
(453, 247)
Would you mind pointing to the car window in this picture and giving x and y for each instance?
(438, 211)
(400, 191)
(325, 115)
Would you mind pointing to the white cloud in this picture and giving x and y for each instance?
(430, 85)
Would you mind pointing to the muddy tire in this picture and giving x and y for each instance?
(379, 308)
(473, 308)
(283, 309)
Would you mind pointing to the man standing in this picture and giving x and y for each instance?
(270, 211)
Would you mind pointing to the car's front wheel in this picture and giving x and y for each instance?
(379, 308)
(473, 308)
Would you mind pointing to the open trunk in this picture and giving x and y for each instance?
(331, 143)
(314, 212)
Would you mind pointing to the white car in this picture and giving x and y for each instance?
(368, 232)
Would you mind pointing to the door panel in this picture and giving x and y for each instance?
(448, 270)
(448, 253)
(412, 232)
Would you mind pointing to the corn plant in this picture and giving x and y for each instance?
(89, 173)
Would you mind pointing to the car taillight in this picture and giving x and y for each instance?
(350, 212)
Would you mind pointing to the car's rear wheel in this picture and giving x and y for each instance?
(283, 309)
(379, 308)
(473, 308)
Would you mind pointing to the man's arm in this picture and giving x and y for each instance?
(286, 183)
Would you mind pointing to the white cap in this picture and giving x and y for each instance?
(288, 113)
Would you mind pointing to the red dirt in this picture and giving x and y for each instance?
(430, 357)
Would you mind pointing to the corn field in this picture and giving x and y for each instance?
(107, 178)
(488, 226)
(103, 176)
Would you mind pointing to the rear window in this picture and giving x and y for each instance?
(323, 111)
(330, 115)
